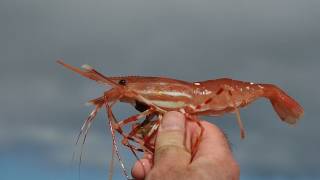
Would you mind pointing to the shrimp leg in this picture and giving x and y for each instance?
(151, 132)
(118, 127)
(239, 121)
(240, 124)
(115, 125)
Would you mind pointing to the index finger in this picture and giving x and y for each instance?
(214, 145)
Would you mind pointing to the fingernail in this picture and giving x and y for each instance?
(173, 121)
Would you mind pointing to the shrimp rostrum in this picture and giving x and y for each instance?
(154, 96)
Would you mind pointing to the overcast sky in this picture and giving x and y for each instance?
(42, 104)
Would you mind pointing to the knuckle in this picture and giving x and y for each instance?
(169, 149)
(170, 138)
(168, 153)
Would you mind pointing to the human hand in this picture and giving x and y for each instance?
(172, 159)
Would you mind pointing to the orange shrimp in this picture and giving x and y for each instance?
(153, 96)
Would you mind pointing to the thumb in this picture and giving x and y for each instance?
(170, 147)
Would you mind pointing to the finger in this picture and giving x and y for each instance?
(191, 135)
(170, 142)
(214, 145)
(141, 168)
(214, 153)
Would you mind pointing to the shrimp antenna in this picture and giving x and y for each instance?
(114, 144)
(84, 131)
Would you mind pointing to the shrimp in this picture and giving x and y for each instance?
(154, 96)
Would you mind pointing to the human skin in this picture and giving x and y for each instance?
(172, 159)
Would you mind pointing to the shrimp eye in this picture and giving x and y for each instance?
(122, 82)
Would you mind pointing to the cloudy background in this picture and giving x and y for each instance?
(42, 104)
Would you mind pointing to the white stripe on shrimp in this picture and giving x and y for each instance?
(168, 104)
(169, 93)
